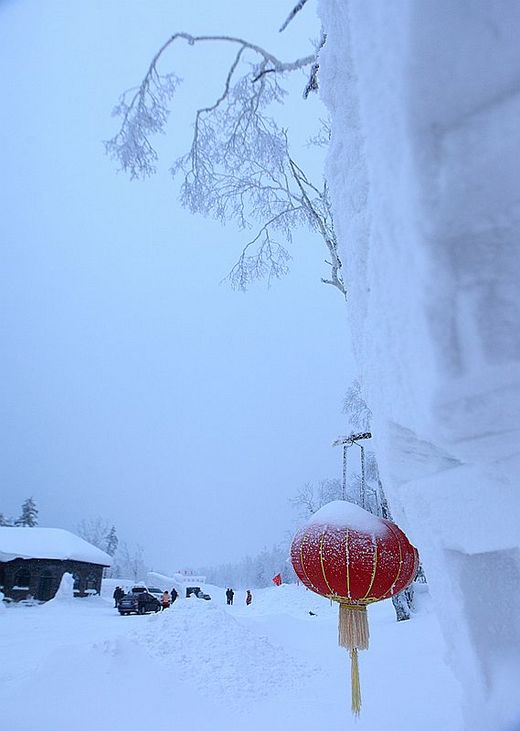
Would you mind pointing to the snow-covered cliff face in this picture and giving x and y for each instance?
(424, 170)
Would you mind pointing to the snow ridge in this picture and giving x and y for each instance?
(204, 644)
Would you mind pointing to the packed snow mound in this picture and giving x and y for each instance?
(65, 591)
(201, 642)
(51, 543)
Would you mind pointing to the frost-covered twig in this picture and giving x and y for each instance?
(292, 14)
(238, 166)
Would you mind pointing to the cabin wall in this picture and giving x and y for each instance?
(40, 578)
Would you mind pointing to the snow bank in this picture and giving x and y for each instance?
(51, 543)
(220, 656)
(425, 184)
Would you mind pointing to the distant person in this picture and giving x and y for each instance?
(165, 601)
(174, 594)
(229, 596)
(249, 597)
(118, 595)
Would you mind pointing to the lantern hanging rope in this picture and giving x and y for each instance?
(354, 558)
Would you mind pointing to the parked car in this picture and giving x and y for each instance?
(138, 588)
(154, 591)
(139, 602)
(197, 591)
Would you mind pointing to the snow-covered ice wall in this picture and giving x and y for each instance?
(424, 172)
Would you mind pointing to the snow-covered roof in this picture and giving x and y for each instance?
(176, 578)
(52, 543)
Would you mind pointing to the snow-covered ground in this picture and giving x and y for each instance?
(271, 665)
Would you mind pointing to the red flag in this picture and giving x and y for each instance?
(277, 579)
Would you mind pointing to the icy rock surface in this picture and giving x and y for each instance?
(425, 184)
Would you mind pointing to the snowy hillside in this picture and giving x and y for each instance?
(270, 665)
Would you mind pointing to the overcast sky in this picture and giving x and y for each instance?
(134, 386)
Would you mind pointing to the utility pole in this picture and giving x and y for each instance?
(347, 442)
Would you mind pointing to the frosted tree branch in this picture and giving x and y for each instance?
(238, 166)
(292, 15)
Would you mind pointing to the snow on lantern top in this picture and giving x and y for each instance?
(345, 553)
(343, 514)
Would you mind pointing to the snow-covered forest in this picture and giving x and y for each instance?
(318, 406)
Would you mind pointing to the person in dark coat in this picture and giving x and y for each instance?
(249, 597)
(118, 595)
(165, 601)
(229, 596)
(174, 594)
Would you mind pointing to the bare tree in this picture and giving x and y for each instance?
(239, 166)
(95, 531)
(312, 496)
(130, 563)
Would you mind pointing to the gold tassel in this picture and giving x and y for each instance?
(353, 634)
(356, 686)
(353, 627)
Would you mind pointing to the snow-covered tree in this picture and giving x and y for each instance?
(240, 165)
(112, 541)
(4, 521)
(253, 571)
(312, 496)
(95, 531)
(355, 407)
(129, 563)
(29, 515)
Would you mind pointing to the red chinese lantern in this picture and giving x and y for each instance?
(354, 558)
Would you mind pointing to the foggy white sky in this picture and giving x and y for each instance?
(133, 385)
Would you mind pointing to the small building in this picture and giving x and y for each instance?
(185, 583)
(33, 561)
